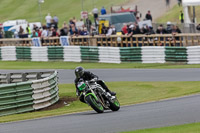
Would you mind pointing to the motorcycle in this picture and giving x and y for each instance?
(96, 97)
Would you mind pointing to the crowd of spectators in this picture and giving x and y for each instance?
(82, 28)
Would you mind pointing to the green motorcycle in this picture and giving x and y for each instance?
(96, 97)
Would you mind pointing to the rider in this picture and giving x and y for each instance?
(86, 75)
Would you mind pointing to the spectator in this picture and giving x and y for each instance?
(73, 30)
(34, 34)
(161, 30)
(84, 32)
(74, 20)
(53, 24)
(113, 30)
(95, 12)
(179, 3)
(48, 19)
(88, 23)
(130, 30)
(39, 31)
(148, 16)
(151, 31)
(124, 29)
(104, 29)
(169, 27)
(35, 27)
(64, 31)
(138, 19)
(103, 11)
(109, 32)
(21, 31)
(181, 17)
(54, 32)
(44, 32)
(1, 33)
(198, 27)
(28, 29)
(167, 3)
(55, 18)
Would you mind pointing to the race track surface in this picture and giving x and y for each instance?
(147, 115)
(108, 75)
(140, 116)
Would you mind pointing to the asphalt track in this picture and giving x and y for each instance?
(108, 75)
(147, 115)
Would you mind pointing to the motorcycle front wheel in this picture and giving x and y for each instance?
(114, 104)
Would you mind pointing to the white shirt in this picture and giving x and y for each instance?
(48, 19)
(109, 32)
(44, 33)
(95, 11)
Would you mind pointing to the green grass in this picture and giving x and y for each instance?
(72, 65)
(127, 92)
(186, 128)
(173, 15)
(64, 9)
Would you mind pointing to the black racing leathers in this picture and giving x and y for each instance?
(89, 76)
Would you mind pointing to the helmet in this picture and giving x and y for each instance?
(79, 71)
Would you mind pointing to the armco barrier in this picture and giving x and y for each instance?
(29, 95)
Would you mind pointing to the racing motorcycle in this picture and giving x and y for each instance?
(96, 97)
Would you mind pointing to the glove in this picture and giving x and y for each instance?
(93, 80)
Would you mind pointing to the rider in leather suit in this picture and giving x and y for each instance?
(81, 74)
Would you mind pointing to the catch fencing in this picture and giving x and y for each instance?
(25, 92)
(146, 54)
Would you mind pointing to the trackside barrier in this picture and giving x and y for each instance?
(181, 40)
(29, 95)
(145, 54)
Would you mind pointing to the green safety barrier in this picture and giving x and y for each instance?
(55, 53)
(16, 98)
(130, 54)
(23, 53)
(19, 97)
(176, 54)
(89, 54)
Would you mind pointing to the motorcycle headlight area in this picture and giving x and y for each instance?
(81, 86)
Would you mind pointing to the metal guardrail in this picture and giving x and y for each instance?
(19, 97)
(115, 40)
(23, 77)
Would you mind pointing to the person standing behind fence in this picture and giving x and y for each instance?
(48, 19)
(148, 16)
(167, 3)
(181, 17)
(103, 11)
(55, 18)
(95, 12)
(1, 33)
(179, 2)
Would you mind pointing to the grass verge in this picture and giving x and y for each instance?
(186, 128)
(173, 15)
(72, 65)
(127, 92)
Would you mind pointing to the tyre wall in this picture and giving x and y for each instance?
(147, 54)
(28, 96)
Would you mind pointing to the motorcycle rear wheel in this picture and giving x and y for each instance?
(94, 103)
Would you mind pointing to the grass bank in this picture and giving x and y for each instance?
(187, 128)
(64, 9)
(173, 15)
(72, 65)
(127, 92)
